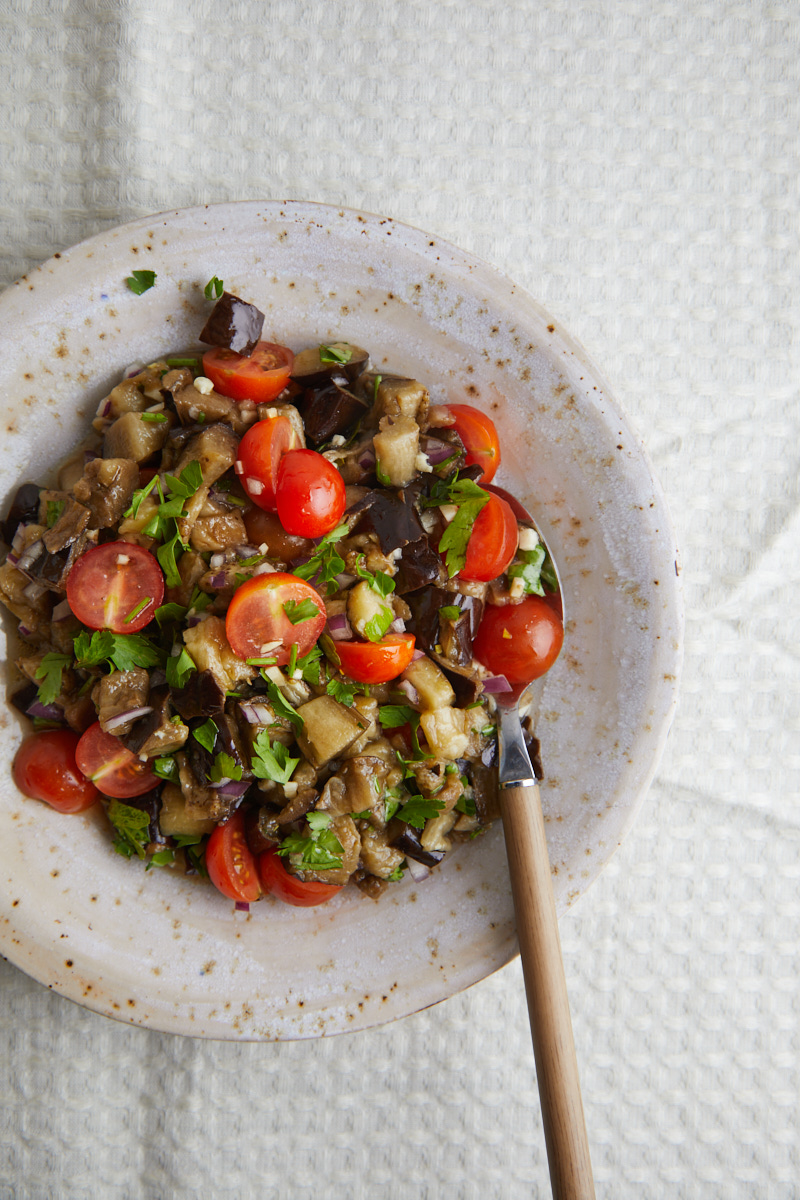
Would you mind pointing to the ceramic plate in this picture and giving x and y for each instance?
(171, 953)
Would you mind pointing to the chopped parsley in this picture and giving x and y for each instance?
(536, 571)
(132, 826)
(140, 607)
(154, 418)
(300, 611)
(206, 735)
(166, 767)
(310, 665)
(124, 650)
(50, 671)
(335, 354)
(213, 288)
(326, 561)
(377, 627)
(450, 612)
(224, 767)
(169, 612)
(343, 692)
(320, 851)
(379, 581)
(420, 809)
(282, 707)
(141, 281)
(271, 759)
(470, 500)
(179, 667)
(54, 510)
(465, 804)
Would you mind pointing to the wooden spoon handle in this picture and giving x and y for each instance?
(546, 988)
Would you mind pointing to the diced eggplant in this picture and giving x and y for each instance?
(365, 605)
(444, 731)
(233, 323)
(24, 697)
(309, 368)
(304, 799)
(396, 449)
(156, 733)
(408, 843)
(432, 685)
(106, 488)
(419, 566)
(210, 649)
(228, 740)
(264, 528)
(398, 397)
(24, 510)
(175, 821)
(434, 835)
(261, 829)
(214, 448)
(119, 693)
(52, 569)
(131, 436)
(377, 855)
(390, 515)
(218, 532)
(484, 791)
(192, 405)
(329, 728)
(74, 519)
(344, 828)
(203, 802)
(464, 681)
(201, 697)
(329, 410)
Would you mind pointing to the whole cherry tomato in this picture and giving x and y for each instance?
(310, 494)
(492, 543)
(45, 769)
(520, 641)
(260, 452)
(478, 433)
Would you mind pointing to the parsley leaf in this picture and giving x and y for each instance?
(300, 611)
(335, 354)
(213, 288)
(396, 875)
(392, 716)
(282, 706)
(179, 667)
(141, 281)
(133, 829)
(465, 804)
(140, 494)
(54, 510)
(470, 500)
(271, 760)
(450, 612)
(188, 482)
(50, 670)
(376, 627)
(318, 852)
(206, 735)
(380, 582)
(419, 809)
(341, 691)
(167, 559)
(310, 665)
(169, 612)
(124, 650)
(166, 767)
(224, 767)
(326, 561)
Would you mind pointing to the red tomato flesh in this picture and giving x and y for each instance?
(112, 767)
(492, 543)
(310, 494)
(478, 433)
(520, 641)
(260, 452)
(376, 662)
(260, 377)
(230, 865)
(45, 769)
(279, 882)
(110, 582)
(257, 617)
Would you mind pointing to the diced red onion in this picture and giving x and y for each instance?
(256, 714)
(62, 610)
(398, 625)
(29, 557)
(436, 451)
(24, 631)
(45, 712)
(339, 627)
(134, 369)
(405, 685)
(132, 714)
(33, 592)
(231, 789)
(366, 460)
(195, 619)
(16, 544)
(242, 906)
(418, 654)
(496, 684)
(219, 581)
(246, 551)
(417, 870)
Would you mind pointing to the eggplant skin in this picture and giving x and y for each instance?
(233, 324)
(24, 510)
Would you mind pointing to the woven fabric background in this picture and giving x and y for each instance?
(634, 164)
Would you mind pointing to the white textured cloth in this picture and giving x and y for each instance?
(635, 165)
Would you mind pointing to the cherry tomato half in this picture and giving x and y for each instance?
(111, 582)
(302, 893)
(231, 866)
(112, 767)
(492, 543)
(478, 433)
(310, 494)
(45, 769)
(260, 452)
(257, 616)
(520, 641)
(260, 377)
(376, 662)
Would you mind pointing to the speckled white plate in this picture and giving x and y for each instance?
(172, 954)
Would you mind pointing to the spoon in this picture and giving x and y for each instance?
(540, 947)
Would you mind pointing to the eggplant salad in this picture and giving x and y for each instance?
(264, 614)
